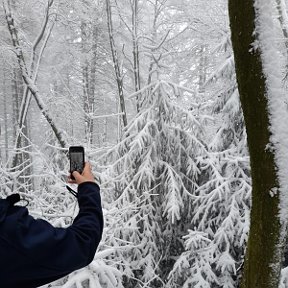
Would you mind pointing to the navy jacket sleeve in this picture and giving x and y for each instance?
(34, 253)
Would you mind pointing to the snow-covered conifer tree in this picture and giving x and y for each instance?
(214, 248)
(155, 168)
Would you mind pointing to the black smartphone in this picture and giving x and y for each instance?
(77, 159)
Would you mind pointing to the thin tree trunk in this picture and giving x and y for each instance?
(21, 158)
(86, 106)
(5, 117)
(35, 63)
(154, 58)
(0, 146)
(15, 101)
(154, 33)
(88, 81)
(92, 80)
(35, 60)
(263, 249)
(136, 65)
(202, 69)
(17, 131)
(27, 78)
(119, 77)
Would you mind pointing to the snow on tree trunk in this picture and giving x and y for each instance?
(257, 43)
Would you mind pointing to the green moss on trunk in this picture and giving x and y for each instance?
(262, 259)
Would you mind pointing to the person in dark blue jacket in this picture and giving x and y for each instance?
(34, 253)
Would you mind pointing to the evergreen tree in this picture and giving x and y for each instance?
(154, 169)
(214, 248)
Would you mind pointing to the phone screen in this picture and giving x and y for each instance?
(76, 155)
(77, 161)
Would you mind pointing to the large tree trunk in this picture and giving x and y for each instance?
(263, 253)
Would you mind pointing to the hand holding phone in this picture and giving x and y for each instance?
(86, 175)
(77, 159)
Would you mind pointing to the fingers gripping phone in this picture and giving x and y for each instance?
(77, 159)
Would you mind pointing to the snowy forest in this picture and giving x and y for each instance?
(170, 106)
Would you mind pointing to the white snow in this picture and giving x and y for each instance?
(274, 57)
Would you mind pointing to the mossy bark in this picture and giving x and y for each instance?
(263, 253)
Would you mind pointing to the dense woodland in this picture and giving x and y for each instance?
(149, 89)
